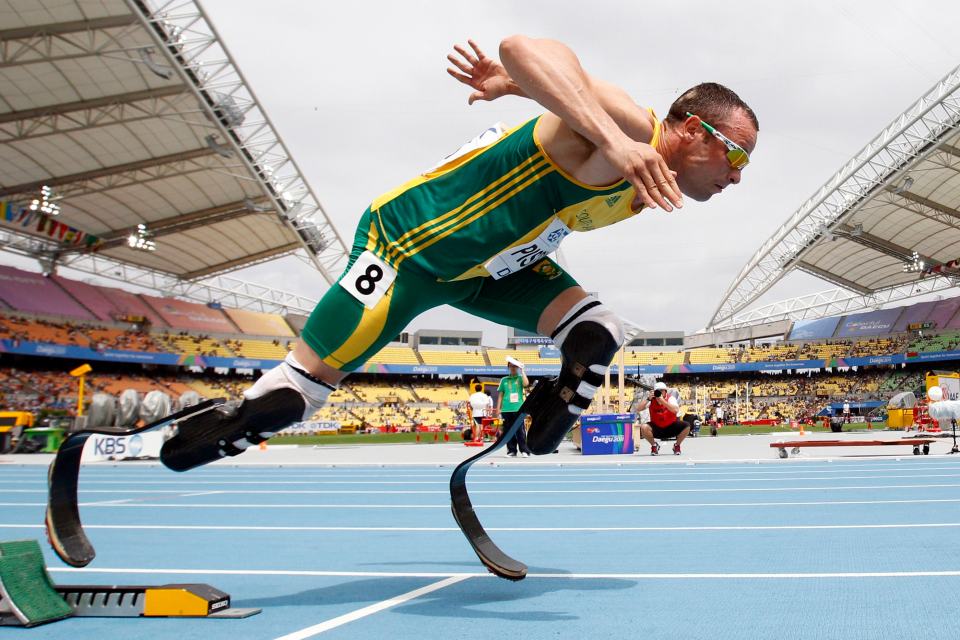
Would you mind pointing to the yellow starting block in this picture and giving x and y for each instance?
(167, 601)
(29, 597)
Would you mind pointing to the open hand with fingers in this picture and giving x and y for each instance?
(643, 167)
(485, 75)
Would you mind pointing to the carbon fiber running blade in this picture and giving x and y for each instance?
(493, 558)
(62, 520)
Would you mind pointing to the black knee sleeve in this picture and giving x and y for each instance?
(554, 405)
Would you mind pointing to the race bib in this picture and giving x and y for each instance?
(516, 258)
(368, 279)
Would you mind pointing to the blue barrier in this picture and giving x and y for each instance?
(606, 434)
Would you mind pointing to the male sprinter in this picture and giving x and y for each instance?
(475, 233)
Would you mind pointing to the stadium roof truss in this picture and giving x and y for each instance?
(132, 112)
(874, 229)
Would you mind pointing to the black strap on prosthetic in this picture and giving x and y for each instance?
(309, 376)
(579, 312)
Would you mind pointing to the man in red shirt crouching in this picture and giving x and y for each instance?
(664, 421)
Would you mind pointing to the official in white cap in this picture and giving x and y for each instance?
(509, 400)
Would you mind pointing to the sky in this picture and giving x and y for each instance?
(359, 94)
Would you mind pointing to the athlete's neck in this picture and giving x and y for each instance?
(666, 144)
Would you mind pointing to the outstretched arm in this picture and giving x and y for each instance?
(490, 80)
(549, 73)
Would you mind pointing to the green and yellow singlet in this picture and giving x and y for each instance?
(496, 206)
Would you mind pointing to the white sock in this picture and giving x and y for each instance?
(290, 374)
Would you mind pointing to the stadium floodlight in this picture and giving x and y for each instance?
(221, 150)
(227, 111)
(140, 239)
(904, 186)
(45, 204)
(146, 56)
(915, 265)
(254, 207)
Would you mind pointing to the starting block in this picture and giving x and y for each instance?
(27, 594)
(29, 597)
(167, 601)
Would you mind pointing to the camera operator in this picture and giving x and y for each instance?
(664, 422)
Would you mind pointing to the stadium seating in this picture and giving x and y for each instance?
(709, 355)
(498, 357)
(633, 357)
(193, 345)
(258, 349)
(396, 355)
(458, 357)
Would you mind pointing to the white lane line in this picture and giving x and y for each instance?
(688, 468)
(548, 576)
(201, 493)
(441, 481)
(577, 491)
(786, 527)
(617, 505)
(366, 611)
(569, 472)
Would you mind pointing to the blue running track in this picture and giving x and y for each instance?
(793, 549)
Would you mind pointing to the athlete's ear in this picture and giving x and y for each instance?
(690, 126)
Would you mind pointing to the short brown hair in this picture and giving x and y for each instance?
(710, 101)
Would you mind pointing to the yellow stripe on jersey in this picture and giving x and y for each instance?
(493, 205)
(537, 168)
(439, 171)
(408, 239)
(368, 331)
(372, 320)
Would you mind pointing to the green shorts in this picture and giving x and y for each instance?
(354, 319)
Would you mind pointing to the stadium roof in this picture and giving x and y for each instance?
(133, 112)
(885, 228)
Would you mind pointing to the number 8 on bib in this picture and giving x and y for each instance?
(368, 279)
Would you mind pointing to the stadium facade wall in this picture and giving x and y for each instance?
(260, 324)
(871, 323)
(33, 293)
(90, 296)
(914, 314)
(189, 316)
(129, 304)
